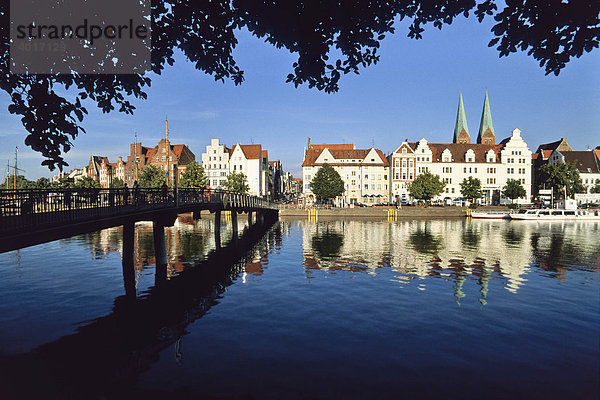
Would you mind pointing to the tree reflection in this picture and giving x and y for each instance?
(470, 237)
(327, 245)
(424, 242)
(512, 236)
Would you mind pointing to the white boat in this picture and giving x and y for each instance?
(556, 215)
(490, 214)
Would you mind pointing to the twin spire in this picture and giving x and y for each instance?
(486, 127)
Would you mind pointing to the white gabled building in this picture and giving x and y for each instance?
(252, 161)
(365, 172)
(215, 162)
(492, 164)
(586, 162)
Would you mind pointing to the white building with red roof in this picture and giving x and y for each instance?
(365, 172)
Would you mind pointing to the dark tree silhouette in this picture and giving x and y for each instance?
(551, 31)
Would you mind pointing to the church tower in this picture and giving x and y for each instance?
(486, 128)
(461, 130)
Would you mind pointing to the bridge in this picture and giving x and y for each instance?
(30, 217)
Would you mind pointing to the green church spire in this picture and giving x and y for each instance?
(486, 127)
(461, 130)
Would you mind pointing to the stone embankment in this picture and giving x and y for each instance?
(368, 212)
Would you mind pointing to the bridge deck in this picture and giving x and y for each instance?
(29, 217)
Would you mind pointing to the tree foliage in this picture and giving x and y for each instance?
(117, 183)
(471, 188)
(152, 176)
(331, 38)
(560, 175)
(327, 183)
(86, 183)
(237, 182)
(596, 187)
(193, 177)
(426, 186)
(513, 190)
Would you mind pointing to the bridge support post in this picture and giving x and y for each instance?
(234, 224)
(128, 254)
(197, 215)
(249, 218)
(160, 252)
(217, 228)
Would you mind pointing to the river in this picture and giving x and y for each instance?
(350, 309)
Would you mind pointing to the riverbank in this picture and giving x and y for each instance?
(366, 212)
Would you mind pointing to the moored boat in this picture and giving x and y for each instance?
(490, 214)
(556, 215)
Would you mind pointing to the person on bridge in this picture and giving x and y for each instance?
(136, 192)
(164, 191)
(125, 194)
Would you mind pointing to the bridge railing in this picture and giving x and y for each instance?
(24, 208)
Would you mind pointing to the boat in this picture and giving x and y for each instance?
(490, 214)
(556, 215)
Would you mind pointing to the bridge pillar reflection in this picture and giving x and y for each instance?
(260, 216)
(128, 258)
(234, 224)
(249, 218)
(218, 228)
(160, 252)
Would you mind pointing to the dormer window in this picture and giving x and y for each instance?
(404, 150)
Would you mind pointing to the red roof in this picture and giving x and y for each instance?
(251, 151)
(459, 151)
(265, 154)
(347, 154)
(343, 146)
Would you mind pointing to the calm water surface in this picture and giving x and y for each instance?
(328, 309)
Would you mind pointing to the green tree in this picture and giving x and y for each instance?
(86, 183)
(596, 187)
(237, 182)
(63, 183)
(117, 183)
(42, 183)
(152, 177)
(426, 186)
(193, 177)
(471, 188)
(22, 183)
(559, 175)
(327, 183)
(330, 39)
(513, 190)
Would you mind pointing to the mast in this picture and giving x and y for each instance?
(7, 173)
(135, 163)
(15, 181)
(168, 147)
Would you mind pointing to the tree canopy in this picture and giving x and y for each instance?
(331, 38)
(152, 176)
(596, 187)
(237, 182)
(426, 186)
(117, 183)
(513, 190)
(471, 188)
(193, 177)
(560, 175)
(327, 183)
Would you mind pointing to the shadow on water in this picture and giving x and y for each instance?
(105, 357)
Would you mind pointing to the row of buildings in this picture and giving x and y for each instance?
(265, 178)
(372, 177)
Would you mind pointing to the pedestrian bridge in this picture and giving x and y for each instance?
(30, 217)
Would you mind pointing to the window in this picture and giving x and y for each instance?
(372, 160)
(163, 158)
(385, 177)
(366, 186)
(366, 176)
(164, 150)
(404, 150)
(411, 163)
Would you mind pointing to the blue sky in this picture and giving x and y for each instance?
(411, 93)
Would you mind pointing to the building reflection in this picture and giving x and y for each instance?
(459, 251)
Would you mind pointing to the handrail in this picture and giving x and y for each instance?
(22, 208)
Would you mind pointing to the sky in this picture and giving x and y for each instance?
(412, 93)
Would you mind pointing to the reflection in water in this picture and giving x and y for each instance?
(105, 356)
(455, 250)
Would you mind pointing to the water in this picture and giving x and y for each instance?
(355, 309)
